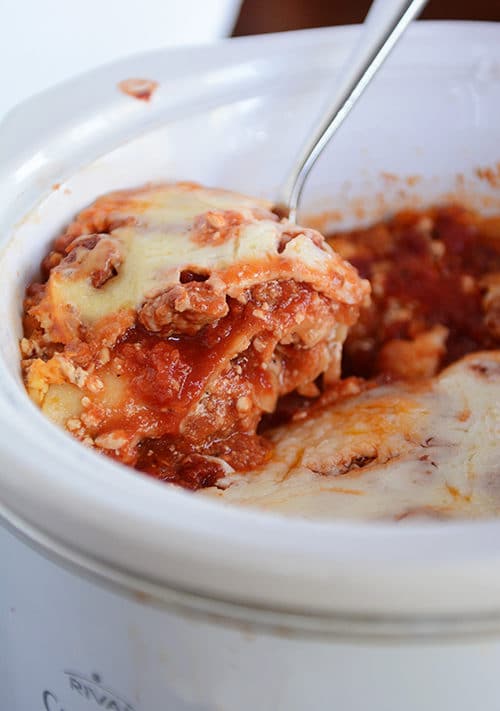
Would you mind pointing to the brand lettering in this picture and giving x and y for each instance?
(89, 689)
(93, 692)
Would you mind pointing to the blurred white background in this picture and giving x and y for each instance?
(44, 42)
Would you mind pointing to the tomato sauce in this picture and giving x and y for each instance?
(427, 269)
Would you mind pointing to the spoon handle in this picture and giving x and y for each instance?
(384, 24)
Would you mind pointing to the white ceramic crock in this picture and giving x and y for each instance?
(47, 42)
(118, 592)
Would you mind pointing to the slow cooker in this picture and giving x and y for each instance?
(120, 592)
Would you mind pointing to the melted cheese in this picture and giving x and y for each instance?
(394, 452)
(156, 237)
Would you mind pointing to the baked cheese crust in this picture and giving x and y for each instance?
(394, 452)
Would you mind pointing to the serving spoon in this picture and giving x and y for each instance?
(384, 24)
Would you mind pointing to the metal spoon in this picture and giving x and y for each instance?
(384, 24)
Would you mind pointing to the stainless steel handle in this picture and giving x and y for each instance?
(385, 22)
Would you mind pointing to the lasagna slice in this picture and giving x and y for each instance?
(398, 451)
(170, 318)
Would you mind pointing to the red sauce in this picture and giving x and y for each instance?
(168, 374)
(141, 89)
(168, 378)
(175, 460)
(432, 277)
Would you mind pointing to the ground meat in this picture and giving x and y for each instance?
(435, 291)
(216, 227)
(193, 467)
(184, 308)
(219, 381)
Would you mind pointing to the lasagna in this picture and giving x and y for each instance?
(169, 319)
(195, 335)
